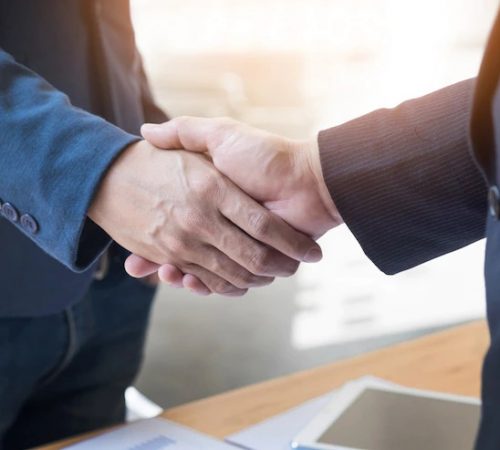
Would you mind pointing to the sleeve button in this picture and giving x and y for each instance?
(9, 212)
(29, 223)
(494, 202)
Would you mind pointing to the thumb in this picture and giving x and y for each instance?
(164, 136)
(189, 133)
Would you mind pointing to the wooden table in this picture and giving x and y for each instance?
(448, 361)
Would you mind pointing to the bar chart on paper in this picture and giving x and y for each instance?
(152, 434)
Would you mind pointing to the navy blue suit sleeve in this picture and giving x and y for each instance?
(53, 157)
(404, 179)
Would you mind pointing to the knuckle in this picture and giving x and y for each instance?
(260, 261)
(215, 263)
(194, 223)
(244, 279)
(177, 245)
(260, 223)
(208, 186)
(222, 128)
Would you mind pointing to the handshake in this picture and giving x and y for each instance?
(215, 206)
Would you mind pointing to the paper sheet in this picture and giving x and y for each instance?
(278, 432)
(152, 434)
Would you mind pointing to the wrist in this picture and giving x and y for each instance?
(115, 181)
(310, 164)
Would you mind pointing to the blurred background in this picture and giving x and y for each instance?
(295, 67)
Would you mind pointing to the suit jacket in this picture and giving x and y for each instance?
(72, 96)
(426, 183)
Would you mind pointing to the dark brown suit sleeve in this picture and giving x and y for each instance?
(404, 179)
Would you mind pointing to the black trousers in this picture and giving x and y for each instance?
(66, 374)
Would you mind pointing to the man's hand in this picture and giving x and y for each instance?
(284, 175)
(176, 208)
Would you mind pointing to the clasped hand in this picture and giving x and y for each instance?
(237, 209)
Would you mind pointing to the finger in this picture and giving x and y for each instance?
(226, 268)
(138, 267)
(214, 283)
(195, 285)
(192, 133)
(171, 275)
(264, 226)
(253, 256)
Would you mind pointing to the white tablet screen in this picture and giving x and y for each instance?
(385, 420)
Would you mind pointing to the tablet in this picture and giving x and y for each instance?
(370, 415)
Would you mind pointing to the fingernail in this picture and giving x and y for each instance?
(313, 255)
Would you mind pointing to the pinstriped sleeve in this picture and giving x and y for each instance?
(404, 179)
